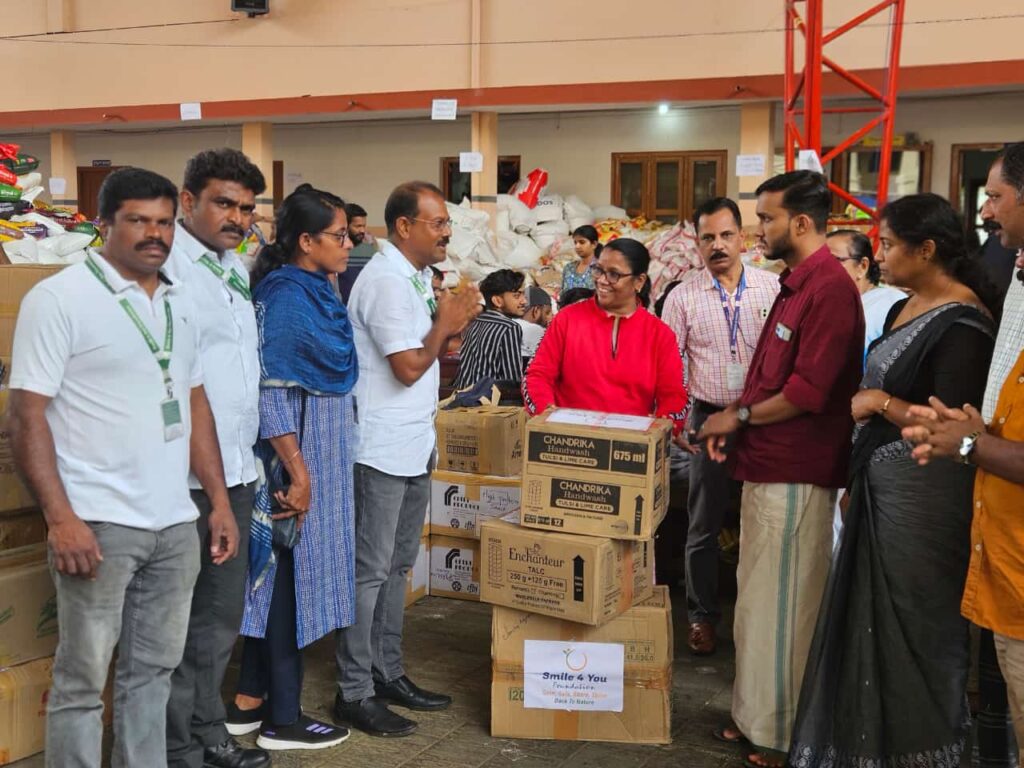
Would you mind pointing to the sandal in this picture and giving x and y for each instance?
(763, 760)
(720, 735)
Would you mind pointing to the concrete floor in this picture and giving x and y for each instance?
(447, 648)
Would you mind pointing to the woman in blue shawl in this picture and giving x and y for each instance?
(308, 368)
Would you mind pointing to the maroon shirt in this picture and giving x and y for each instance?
(811, 350)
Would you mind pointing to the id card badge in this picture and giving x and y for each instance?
(170, 412)
(735, 376)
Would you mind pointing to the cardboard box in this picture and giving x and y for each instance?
(459, 501)
(455, 568)
(28, 606)
(484, 441)
(578, 578)
(23, 694)
(599, 478)
(645, 631)
(417, 580)
(21, 528)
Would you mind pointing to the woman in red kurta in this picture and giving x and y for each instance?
(609, 353)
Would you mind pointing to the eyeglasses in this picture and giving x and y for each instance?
(847, 258)
(438, 225)
(610, 275)
(339, 236)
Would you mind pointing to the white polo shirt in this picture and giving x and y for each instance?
(229, 348)
(73, 342)
(395, 429)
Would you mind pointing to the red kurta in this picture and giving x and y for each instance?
(581, 363)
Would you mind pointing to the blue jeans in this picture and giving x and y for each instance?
(139, 603)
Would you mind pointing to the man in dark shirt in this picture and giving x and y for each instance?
(363, 249)
(794, 426)
(491, 345)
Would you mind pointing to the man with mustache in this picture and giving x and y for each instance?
(107, 412)
(364, 247)
(717, 315)
(400, 331)
(218, 202)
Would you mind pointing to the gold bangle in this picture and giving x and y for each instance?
(885, 405)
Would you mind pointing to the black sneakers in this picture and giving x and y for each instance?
(372, 716)
(242, 721)
(304, 733)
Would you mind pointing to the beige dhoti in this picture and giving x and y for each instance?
(785, 555)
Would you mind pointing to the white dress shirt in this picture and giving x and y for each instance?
(75, 343)
(229, 347)
(389, 314)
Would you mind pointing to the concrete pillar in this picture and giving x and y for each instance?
(58, 16)
(64, 165)
(485, 184)
(258, 145)
(757, 137)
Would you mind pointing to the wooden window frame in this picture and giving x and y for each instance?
(649, 194)
(841, 169)
(449, 161)
(956, 173)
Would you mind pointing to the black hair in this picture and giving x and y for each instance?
(805, 193)
(659, 305)
(436, 272)
(133, 184)
(404, 202)
(589, 232)
(1012, 159)
(860, 249)
(915, 219)
(639, 259)
(497, 283)
(224, 165)
(574, 295)
(306, 210)
(714, 205)
(355, 211)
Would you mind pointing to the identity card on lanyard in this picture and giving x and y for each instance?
(170, 407)
(735, 371)
(427, 296)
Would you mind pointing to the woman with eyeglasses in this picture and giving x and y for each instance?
(297, 595)
(608, 353)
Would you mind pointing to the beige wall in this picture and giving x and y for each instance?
(205, 53)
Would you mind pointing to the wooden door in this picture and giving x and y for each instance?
(89, 181)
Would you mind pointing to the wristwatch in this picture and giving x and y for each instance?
(967, 445)
(743, 414)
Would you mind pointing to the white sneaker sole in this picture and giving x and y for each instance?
(241, 729)
(276, 744)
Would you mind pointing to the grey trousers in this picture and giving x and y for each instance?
(139, 602)
(389, 522)
(711, 491)
(195, 712)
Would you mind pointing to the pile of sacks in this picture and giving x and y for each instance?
(32, 232)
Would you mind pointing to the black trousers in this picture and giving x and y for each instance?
(272, 665)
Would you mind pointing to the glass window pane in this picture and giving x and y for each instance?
(705, 181)
(631, 186)
(508, 175)
(667, 189)
(459, 185)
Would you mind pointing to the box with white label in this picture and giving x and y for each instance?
(455, 567)
(460, 501)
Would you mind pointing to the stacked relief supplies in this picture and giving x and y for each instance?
(581, 637)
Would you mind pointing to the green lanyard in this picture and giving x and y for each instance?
(163, 356)
(422, 291)
(234, 280)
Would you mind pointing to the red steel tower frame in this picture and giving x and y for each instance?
(804, 99)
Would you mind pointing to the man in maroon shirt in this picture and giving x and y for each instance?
(794, 426)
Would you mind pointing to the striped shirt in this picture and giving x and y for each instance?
(491, 347)
(694, 311)
(1009, 344)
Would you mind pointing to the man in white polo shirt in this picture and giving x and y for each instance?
(107, 411)
(218, 200)
(400, 330)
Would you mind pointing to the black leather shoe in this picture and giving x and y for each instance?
(405, 693)
(371, 715)
(231, 754)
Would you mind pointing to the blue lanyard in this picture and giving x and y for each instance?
(732, 319)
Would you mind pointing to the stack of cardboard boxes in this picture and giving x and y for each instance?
(581, 637)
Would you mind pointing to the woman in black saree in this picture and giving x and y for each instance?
(885, 685)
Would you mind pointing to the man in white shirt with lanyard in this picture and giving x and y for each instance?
(218, 202)
(717, 315)
(107, 412)
(400, 330)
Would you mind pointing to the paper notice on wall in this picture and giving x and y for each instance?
(750, 165)
(585, 677)
(58, 186)
(471, 162)
(808, 160)
(191, 110)
(444, 109)
(596, 419)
